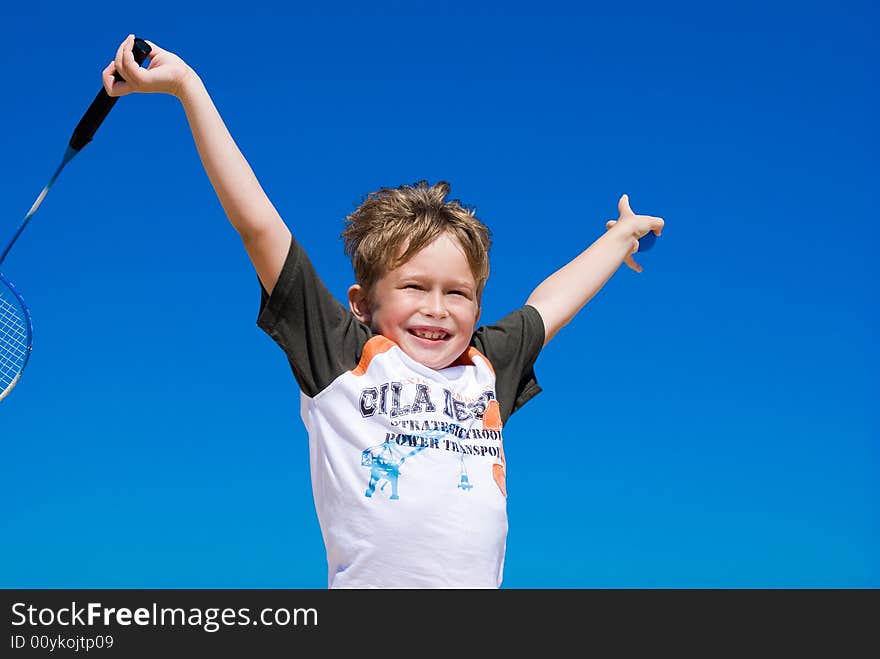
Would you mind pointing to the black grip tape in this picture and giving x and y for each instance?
(103, 103)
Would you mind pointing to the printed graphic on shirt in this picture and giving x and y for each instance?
(385, 460)
(464, 483)
(402, 399)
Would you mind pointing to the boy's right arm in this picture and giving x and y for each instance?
(264, 234)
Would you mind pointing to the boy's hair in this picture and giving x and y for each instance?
(409, 218)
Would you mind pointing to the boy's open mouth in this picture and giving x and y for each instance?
(429, 334)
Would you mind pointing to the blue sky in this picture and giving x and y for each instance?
(704, 424)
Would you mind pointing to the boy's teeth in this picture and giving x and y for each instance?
(429, 335)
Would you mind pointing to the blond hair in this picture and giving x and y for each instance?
(393, 224)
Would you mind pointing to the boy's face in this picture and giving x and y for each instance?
(427, 306)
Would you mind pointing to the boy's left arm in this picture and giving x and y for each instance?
(559, 297)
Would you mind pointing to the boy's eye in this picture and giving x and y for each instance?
(466, 295)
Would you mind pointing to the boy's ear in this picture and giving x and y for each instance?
(357, 302)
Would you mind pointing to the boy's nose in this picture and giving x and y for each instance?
(434, 305)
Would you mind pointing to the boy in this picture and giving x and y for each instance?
(404, 399)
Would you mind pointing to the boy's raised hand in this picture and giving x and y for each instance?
(165, 74)
(634, 225)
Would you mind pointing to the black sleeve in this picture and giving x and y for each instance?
(321, 338)
(512, 346)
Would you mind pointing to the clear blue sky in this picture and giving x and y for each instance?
(704, 424)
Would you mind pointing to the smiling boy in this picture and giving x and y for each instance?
(428, 305)
(403, 396)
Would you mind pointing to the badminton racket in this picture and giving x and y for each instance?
(16, 328)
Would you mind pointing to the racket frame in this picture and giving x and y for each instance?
(29, 334)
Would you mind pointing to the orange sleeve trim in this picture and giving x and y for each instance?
(499, 472)
(375, 346)
(492, 416)
(467, 358)
(499, 476)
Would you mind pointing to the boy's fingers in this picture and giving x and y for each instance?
(112, 86)
(132, 69)
(630, 261)
(119, 51)
(609, 224)
(155, 51)
(623, 206)
(125, 64)
(107, 78)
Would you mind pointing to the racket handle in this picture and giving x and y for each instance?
(103, 103)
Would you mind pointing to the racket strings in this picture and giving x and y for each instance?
(14, 335)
